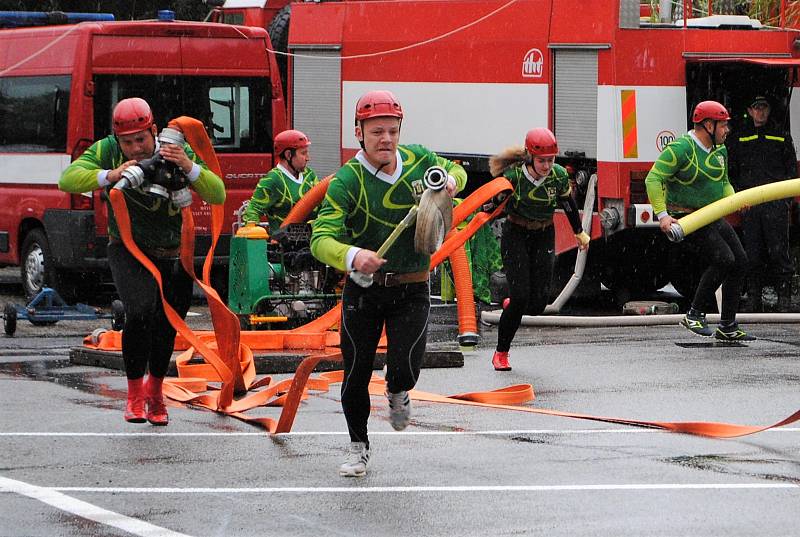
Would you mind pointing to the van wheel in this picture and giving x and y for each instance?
(37, 269)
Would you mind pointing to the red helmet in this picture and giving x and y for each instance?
(541, 142)
(131, 115)
(290, 139)
(710, 110)
(377, 104)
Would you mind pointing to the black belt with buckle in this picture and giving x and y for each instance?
(392, 279)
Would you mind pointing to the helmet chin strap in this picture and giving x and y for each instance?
(712, 135)
(289, 162)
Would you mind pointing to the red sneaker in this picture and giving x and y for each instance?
(500, 361)
(506, 302)
(156, 409)
(134, 408)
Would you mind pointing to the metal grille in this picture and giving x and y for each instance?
(575, 109)
(317, 97)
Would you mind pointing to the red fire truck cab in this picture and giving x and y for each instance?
(58, 86)
(473, 76)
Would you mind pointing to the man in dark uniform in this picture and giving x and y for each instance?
(761, 152)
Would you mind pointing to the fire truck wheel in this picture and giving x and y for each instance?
(36, 268)
(10, 319)
(685, 270)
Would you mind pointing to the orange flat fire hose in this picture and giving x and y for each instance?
(230, 362)
(238, 364)
(511, 397)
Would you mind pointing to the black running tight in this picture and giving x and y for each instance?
(404, 309)
(148, 338)
(528, 260)
(719, 246)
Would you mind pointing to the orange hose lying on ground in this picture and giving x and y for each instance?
(231, 363)
(510, 397)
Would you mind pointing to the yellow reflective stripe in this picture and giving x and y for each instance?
(776, 138)
(748, 138)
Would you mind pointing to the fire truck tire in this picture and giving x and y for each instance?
(10, 320)
(278, 31)
(117, 315)
(632, 264)
(684, 272)
(37, 268)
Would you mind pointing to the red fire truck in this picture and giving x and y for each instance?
(58, 85)
(475, 75)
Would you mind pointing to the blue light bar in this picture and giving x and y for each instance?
(13, 19)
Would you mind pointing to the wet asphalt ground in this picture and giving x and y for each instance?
(70, 465)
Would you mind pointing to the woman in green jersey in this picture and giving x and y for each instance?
(528, 241)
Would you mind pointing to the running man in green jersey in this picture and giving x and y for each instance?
(147, 337)
(689, 174)
(367, 198)
(284, 185)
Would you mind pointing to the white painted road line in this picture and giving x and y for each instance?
(455, 488)
(631, 430)
(56, 499)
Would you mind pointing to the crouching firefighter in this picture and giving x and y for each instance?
(158, 173)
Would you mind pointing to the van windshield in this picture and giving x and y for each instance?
(235, 110)
(33, 114)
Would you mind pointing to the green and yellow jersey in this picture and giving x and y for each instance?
(276, 194)
(536, 200)
(685, 176)
(361, 209)
(155, 222)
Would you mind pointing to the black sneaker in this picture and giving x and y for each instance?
(732, 333)
(697, 324)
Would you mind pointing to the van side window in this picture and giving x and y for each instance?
(236, 111)
(33, 114)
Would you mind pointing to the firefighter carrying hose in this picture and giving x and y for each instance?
(147, 338)
(689, 174)
(528, 241)
(279, 190)
(366, 200)
(760, 152)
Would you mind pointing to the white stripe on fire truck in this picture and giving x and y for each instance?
(462, 118)
(32, 168)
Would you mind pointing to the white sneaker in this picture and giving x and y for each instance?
(357, 460)
(399, 409)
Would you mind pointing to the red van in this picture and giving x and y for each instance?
(58, 86)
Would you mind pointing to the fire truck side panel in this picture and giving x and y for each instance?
(577, 21)
(460, 118)
(465, 101)
(473, 76)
